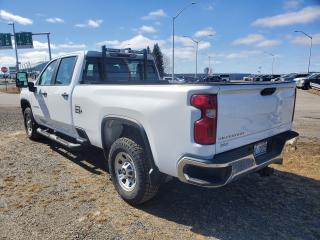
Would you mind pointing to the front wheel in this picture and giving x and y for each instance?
(129, 171)
(30, 125)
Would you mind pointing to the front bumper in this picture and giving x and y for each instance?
(228, 166)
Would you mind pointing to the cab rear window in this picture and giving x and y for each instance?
(118, 70)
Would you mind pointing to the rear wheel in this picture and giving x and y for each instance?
(266, 172)
(130, 171)
(30, 125)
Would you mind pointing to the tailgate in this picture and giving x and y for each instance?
(249, 113)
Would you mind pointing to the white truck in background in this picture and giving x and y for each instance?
(207, 134)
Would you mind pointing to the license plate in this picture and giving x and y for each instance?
(260, 148)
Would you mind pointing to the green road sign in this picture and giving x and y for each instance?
(5, 41)
(12, 70)
(24, 40)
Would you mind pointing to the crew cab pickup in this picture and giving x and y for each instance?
(206, 134)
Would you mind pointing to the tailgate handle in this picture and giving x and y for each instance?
(268, 91)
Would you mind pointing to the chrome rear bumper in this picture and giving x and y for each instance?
(230, 165)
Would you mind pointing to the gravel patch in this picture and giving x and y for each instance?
(47, 192)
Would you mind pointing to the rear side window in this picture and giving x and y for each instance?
(92, 71)
(65, 71)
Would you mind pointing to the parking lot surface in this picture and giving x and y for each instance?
(48, 192)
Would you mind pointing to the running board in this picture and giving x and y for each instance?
(59, 139)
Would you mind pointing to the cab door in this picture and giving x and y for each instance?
(59, 99)
(40, 106)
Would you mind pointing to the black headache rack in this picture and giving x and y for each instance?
(125, 52)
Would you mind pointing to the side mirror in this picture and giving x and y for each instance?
(31, 87)
(22, 80)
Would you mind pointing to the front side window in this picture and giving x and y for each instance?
(65, 71)
(47, 75)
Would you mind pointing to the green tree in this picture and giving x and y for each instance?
(158, 56)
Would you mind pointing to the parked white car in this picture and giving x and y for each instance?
(176, 80)
(203, 134)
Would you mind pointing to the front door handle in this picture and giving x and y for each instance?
(44, 94)
(65, 95)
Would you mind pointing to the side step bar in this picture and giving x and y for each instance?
(60, 140)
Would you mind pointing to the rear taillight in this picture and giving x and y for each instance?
(206, 127)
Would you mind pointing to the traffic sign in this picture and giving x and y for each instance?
(12, 70)
(24, 40)
(4, 69)
(5, 41)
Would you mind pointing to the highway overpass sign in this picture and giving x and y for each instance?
(5, 41)
(24, 40)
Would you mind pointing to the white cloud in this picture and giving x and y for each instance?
(242, 54)
(154, 14)
(204, 32)
(42, 45)
(7, 60)
(109, 43)
(291, 4)
(268, 43)
(306, 15)
(248, 40)
(90, 23)
(31, 57)
(55, 20)
(34, 56)
(72, 46)
(182, 53)
(137, 42)
(182, 40)
(303, 40)
(147, 29)
(204, 45)
(69, 45)
(15, 18)
(187, 42)
(257, 40)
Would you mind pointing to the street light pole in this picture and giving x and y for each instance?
(197, 47)
(309, 49)
(271, 54)
(48, 39)
(173, 21)
(49, 47)
(15, 45)
(209, 64)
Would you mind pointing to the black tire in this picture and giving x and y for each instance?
(305, 87)
(128, 150)
(266, 172)
(30, 125)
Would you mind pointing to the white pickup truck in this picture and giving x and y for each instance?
(207, 134)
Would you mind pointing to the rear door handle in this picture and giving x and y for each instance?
(65, 95)
(268, 91)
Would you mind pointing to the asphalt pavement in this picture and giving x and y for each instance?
(9, 100)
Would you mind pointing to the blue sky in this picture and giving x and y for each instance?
(243, 31)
